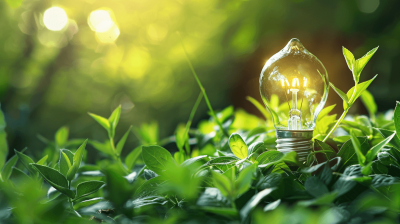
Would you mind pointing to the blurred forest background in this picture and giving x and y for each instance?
(61, 59)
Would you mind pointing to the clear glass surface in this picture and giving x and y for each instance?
(294, 87)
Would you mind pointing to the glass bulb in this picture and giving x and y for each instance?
(294, 86)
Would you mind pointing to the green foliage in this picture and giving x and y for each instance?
(213, 177)
(3, 140)
(356, 66)
(156, 158)
(238, 146)
(76, 161)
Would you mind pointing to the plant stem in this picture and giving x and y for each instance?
(336, 124)
(191, 118)
(203, 90)
(117, 157)
(72, 208)
(233, 204)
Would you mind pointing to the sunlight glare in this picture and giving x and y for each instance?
(55, 18)
(100, 21)
(109, 36)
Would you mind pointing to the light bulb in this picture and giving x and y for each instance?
(294, 86)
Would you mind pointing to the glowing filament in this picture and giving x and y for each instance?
(305, 82)
(295, 82)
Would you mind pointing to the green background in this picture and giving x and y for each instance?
(49, 79)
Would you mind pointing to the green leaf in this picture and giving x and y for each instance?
(381, 180)
(201, 159)
(315, 187)
(150, 187)
(345, 183)
(223, 184)
(102, 121)
(69, 154)
(379, 168)
(181, 137)
(271, 206)
(369, 102)
(254, 147)
(212, 197)
(76, 161)
(359, 90)
(113, 120)
(348, 153)
(324, 112)
(3, 140)
(361, 62)
(223, 163)
(132, 157)
(104, 147)
(25, 160)
(292, 158)
(43, 160)
(55, 179)
(269, 156)
(395, 142)
(387, 159)
(88, 187)
(396, 118)
(148, 133)
(238, 146)
(254, 201)
(328, 151)
(349, 58)
(357, 147)
(87, 203)
(325, 175)
(64, 163)
(366, 170)
(340, 93)
(225, 114)
(156, 158)
(260, 107)
(122, 141)
(325, 199)
(52, 175)
(227, 212)
(179, 157)
(7, 168)
(61, 137)
(242, 184)
(318, 166)
(371, 154)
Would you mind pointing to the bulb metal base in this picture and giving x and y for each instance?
(295, 140)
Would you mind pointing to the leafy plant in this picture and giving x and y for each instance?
(225, 170)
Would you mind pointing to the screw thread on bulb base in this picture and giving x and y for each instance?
(299, 141)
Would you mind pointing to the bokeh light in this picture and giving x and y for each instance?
(100, 21)
(368, 6)
(55, 18)
(108, 36)
(106, 50)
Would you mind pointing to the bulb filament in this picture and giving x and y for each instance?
(294, 122)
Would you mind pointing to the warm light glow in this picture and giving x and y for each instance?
(55, 18)
(100, 21)
(283, 83)
(109, 36)
(287, 83)
(305, 82)
(295, 82)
